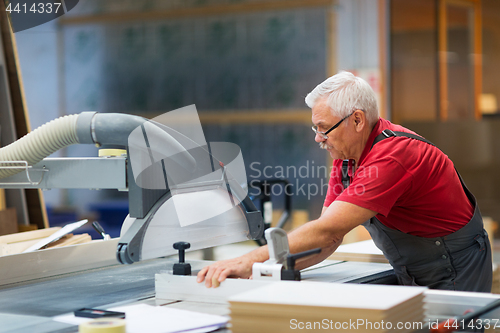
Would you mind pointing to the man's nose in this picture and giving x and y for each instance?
(319, 138)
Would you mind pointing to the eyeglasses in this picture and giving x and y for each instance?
(324, 134)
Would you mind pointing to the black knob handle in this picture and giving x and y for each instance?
(182, 247)
(182, 268)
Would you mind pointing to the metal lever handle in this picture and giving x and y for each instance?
(290, 260)
(97, 226)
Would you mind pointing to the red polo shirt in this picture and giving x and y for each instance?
(412, 185)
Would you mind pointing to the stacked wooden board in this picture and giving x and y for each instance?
(19, 242)
(289, 306)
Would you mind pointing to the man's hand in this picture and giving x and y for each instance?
(217, 272)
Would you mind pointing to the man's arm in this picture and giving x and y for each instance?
(326, 232)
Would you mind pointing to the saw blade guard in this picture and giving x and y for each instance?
(202, 226)
(205, 215)
(205, 204)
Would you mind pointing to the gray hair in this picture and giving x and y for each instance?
(346, 93)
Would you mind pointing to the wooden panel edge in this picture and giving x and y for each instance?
(203, 11)
(256, 117)
(442, 61)
(56, 261)
(478, 59)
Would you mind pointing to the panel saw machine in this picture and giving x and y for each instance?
(179, 186)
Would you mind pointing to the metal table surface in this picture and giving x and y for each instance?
(56, 295)
(29, 306)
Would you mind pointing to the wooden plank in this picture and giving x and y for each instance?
(51, 262)
(201, 11)
(72, 240)
(442, 61)
(257, 117)
(8, 221)
(476, 51)
(19, 247)
(463, 3)
(384, 51)
(3, 204)
(414, 15)
(27, 227)
(36, 208)
(331, 42)
(16, 248)
(28, 235)
(478, 59)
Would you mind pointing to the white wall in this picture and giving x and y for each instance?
(357, 34)
(358, 41)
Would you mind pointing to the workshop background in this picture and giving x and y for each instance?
(247, 66)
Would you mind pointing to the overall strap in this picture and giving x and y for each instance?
(387, 133)
(346, 180)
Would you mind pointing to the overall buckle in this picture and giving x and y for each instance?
(388, 133)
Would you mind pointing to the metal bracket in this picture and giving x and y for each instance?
(24, 167)
(68, 172)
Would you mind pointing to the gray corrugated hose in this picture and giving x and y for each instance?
(87, 128)
(40, 143)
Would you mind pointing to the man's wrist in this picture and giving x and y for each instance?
(258, 255)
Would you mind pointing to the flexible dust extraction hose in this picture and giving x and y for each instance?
(85, 128)
(40, 143)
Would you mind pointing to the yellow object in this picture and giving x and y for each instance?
(112, 152)
(488, 103)
(103, 325)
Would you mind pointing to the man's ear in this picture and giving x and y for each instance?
(359, 120)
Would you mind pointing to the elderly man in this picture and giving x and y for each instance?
(403, 189)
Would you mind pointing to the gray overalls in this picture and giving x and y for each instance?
(458, 261)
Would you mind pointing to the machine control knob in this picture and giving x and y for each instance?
(182, 268)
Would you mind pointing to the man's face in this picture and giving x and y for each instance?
(323, 118)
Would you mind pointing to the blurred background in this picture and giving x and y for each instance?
(247, 66)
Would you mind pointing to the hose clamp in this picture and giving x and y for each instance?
(92, 131)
